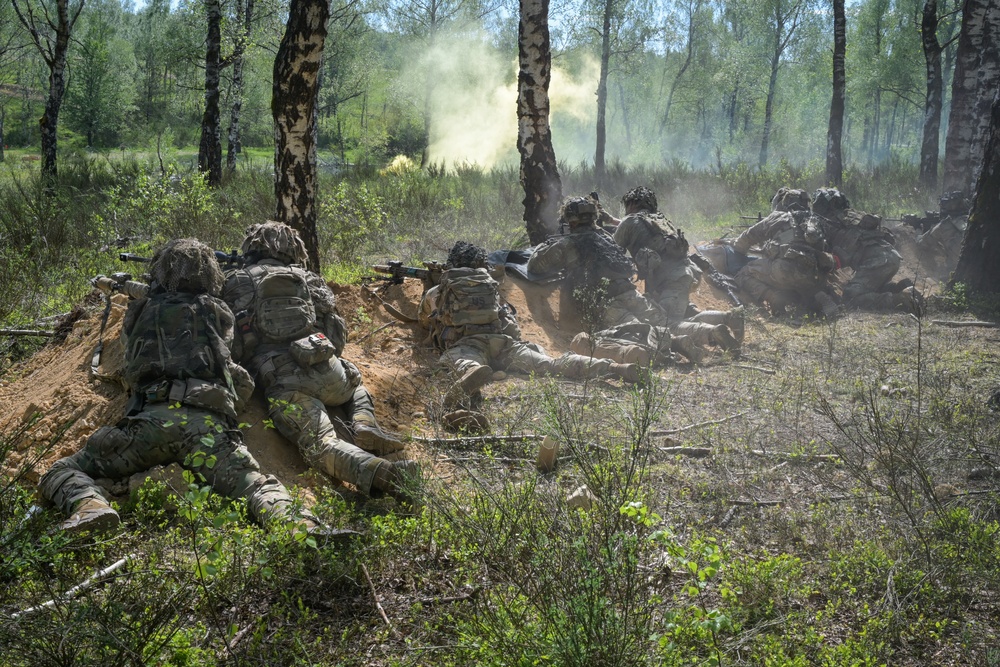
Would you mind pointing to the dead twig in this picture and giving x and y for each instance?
(759, 369)
(966, 323)
(372, 333)
(27, 332)
(796, 458)
(693, 452)
(479, 438)
(378, 605)
(671, 431)
(451, 598)
(86, 584)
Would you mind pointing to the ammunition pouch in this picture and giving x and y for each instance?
(191, 392)
(313, 349)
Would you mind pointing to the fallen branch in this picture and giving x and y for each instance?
(378, 605)
(796, 458)
(88, 583)
(693, 452)
(966, 323)
(451, 598)
(759, 369)
(671, 431)
(478, 438)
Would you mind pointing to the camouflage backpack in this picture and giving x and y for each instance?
(283, 310)
(468, 303)
(176, 336)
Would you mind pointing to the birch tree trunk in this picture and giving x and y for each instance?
(977, 72)
(244, 16)
(210, 147)
(835, 131)
(929, 147)
(539, 171)
(51, 38)
(293, 107)
(979, 264)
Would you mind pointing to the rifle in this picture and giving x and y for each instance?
(120, 283)
(431, 275)
(229, 259)
(716, 278)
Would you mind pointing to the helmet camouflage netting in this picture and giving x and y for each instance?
(274, 240)
(578, 211)
(830, 201)
(187, 265)
(467, 255)
(787, 199)
(642, 198)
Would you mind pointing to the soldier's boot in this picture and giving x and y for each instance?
(369, 436)
(472, 380)
(686, 346)
(399, 479)
(723, 337)
(631, 373)
(582, 344)
(92, 514)
(736, 320)
(827, 305)
(323, 533)
(910, 300)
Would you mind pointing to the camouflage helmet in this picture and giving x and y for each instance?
(467, 255)
(829, 202)
(577, 211)
(787, 199)
(187, 265)
(274, 240)
(640, 198)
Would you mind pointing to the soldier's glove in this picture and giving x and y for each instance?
(352, 373)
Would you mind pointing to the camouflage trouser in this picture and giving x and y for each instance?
(672, 291)
(160, 435)
(779, 282)
(298, 400)
(940, 247)
(877, 267)
(631, 307)
(700, 327)
(503, 353)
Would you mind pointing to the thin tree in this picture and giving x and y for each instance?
(244, 23)
(692, 9)
(539, 171)
(835, 131)
(929, 147)
(783, 19)
(51, 36)
(294, 93)
(210, 147)
(979, 264)
(977, 74)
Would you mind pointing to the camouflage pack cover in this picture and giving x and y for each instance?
(600, 259)
(178, 336)
(787, 199)
(283, 309)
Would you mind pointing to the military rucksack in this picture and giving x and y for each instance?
(176, 336)
(282, 307)
(468, 303)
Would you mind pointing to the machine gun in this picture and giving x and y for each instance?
(120, 283)
(716, 278)
(227, 260)
(397, 273)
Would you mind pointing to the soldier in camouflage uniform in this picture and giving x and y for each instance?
(185, 395)
(861, 243)
(489, 343)
(793, 270)
(941, 245)
(290, 337)
(599, 277)
(660, 253)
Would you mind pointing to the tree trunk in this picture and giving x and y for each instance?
(693, 8)
(244, 15)
(3, 119)
(979, 264)
(835, 131)
(602, 95)
(932, 106)
(772, 87)
(539, 171)
(210, 148)
(625, 120)
(977, 72)
(293, 107)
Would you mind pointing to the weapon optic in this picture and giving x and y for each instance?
(226, 259)
(397, 273)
